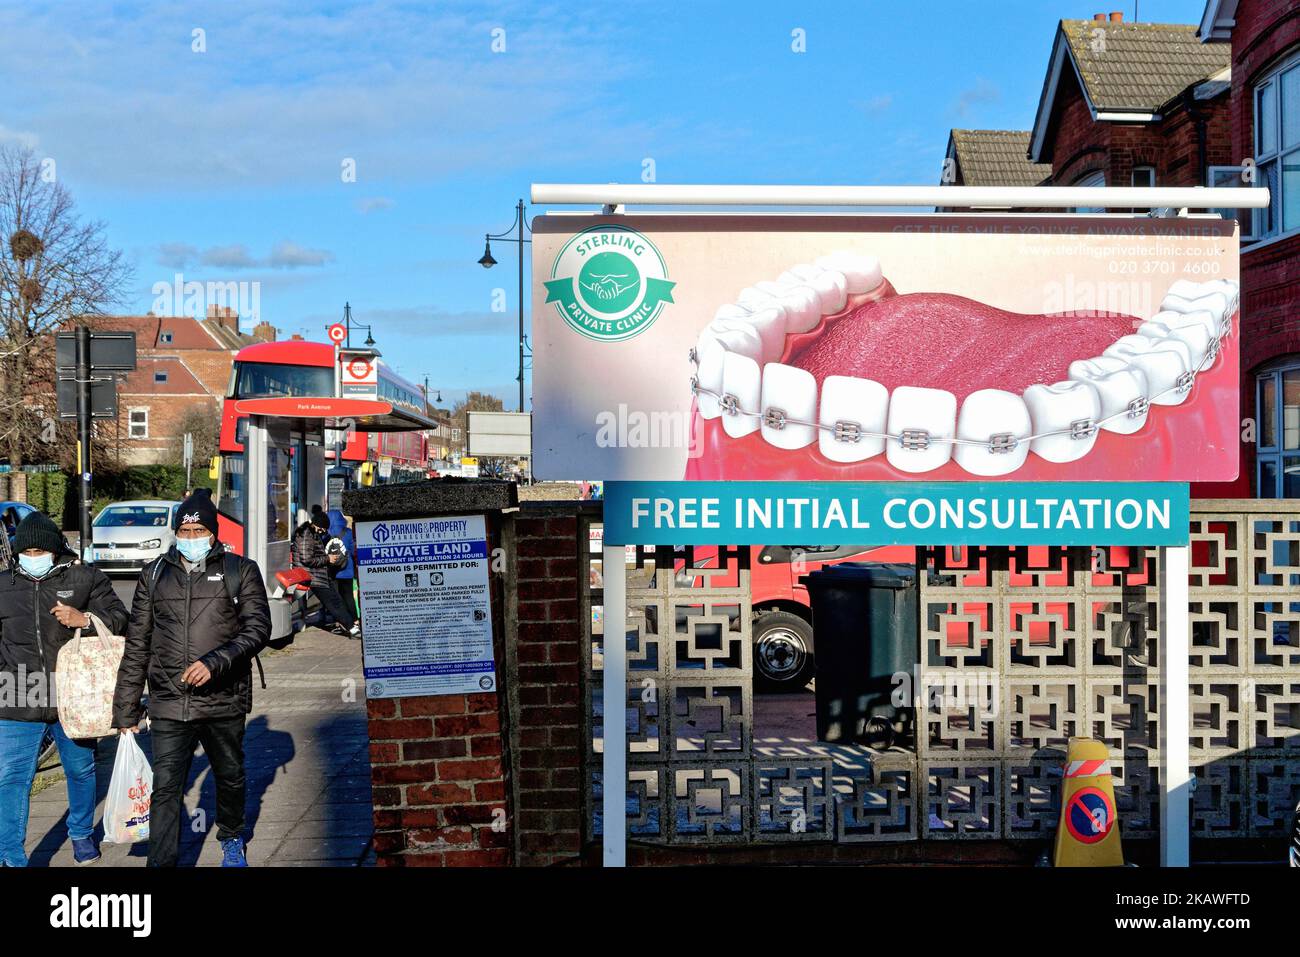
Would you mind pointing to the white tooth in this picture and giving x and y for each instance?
(710, 353)
(793, 392)
(722, 336)
(929, 410)
(1202, 317)
(732, 310)
(802, 308)
(1194, 333)
(1187, 289)
(984, 414)
(829, 284)
(1117, 384)
(769, 324)
(741, 378)
(754, 298)
(860, 402)
(1059, 406)
(861, 273)
(1216, 303)
(1163, 360)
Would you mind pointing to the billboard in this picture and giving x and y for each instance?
(935, 348)
(500, 433)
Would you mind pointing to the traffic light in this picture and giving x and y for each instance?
(214, 468)
(367, 473)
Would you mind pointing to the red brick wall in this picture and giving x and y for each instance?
(1084, 145)
(549, 716)
(440, 779)
(1266, 31)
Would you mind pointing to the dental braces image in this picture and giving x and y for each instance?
(847, 432)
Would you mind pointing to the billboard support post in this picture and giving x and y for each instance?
(614, 700)
(1175, 710)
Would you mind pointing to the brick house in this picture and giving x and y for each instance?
(182, 363)
(1145, 104)
(1132, 104)
(991, 158)
(1262, 38)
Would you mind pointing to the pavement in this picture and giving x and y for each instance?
(308, 770)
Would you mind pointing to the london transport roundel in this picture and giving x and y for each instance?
(359, 368)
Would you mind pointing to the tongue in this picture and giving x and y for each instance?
(948, 342)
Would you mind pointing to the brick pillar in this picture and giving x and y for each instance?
(439, 777)
(548, 699)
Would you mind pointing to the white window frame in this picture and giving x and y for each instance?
(165, 338)
(1095, 179)
(1279, 155)
(131, 423)
(1132, 178)
(1245, 217)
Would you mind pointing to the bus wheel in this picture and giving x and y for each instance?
(783, 657)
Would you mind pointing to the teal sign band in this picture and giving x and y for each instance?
(902, 513)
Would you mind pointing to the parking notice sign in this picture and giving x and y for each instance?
(425, 606)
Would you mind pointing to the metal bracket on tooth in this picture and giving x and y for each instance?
(1184, 383)
(1225, 325)
(918, 439)
(774, 418)
(847, 432)
(1139, 407)
(695, 385)
(693, 356)
(729, 404)
(1003, 443)
(1083, 429)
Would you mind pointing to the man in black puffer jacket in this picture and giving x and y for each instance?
(43, 597)
(193, 635)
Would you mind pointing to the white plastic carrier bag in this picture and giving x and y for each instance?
(130, 793)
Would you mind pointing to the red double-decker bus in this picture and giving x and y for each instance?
(296, 367)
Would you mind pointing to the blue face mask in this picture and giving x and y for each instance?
(38, 566)
(193, 549)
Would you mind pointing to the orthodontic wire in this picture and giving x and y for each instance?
(999, 443)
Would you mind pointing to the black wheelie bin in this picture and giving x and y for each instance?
(865, 623)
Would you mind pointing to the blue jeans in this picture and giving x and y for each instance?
(20, 746)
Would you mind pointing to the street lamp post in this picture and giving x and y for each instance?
(348, 324)
(487, 262)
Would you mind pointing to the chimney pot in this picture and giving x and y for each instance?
(1099, 16)
(1117, 16)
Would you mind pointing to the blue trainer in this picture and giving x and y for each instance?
(232, 853)
(84, 851)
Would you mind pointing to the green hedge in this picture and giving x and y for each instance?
(55, 493)
(49, 491)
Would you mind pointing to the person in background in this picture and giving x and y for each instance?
(344, 573)
(43, 597)
(309, 552)
(199, 617)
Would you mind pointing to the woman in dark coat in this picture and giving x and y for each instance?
(43, 598)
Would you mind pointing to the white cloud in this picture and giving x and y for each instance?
(236, 256)
(372, 203)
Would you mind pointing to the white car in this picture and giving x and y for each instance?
(127, 535)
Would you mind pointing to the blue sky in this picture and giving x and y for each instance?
(226, 164)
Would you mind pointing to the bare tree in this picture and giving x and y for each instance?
(55, 268)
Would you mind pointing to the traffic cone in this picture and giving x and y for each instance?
(1088, 833)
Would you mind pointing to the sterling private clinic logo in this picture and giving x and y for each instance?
(609, 283)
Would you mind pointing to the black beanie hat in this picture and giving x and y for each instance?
(198, 508)
(319, 518)
(37, 530)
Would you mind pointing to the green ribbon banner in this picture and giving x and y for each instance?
(657, 292)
